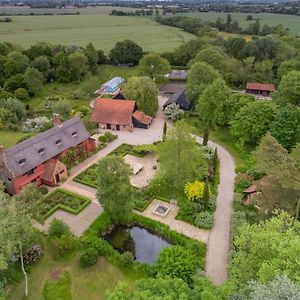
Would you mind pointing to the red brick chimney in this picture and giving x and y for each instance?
(56, 120)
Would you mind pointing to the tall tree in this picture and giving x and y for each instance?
(253, 121)
(266, 250)
(181, 159)
(273, 159)
(211, 103)
(78, 65)
(286, 126)
(143, 90)
(200, 76)
(92, 56)
(16, 63)
(114, 189)
(154, 66)
(288, 90)
(126, 52)
(34, 80)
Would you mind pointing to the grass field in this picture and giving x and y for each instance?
(10, 138)
(90, 283)
(102, 30)
(291, 22)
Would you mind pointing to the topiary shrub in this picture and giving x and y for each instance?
(88, 257)
(58, 228)
(204, 220)
(21, 94)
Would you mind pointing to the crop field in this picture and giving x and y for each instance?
(102, 30)
(291, 22)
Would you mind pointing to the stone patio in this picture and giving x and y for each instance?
(145, 166)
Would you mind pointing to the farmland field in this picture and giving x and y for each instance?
(102, 30)
(291, 22)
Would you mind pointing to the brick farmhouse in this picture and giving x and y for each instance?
(36, 160)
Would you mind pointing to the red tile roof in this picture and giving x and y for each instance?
(260, 86)
(110, 111)
(142, 117)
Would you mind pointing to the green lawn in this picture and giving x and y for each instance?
(102, 30)
(222, 136)
(291, 22)
(10, 138)
(90, 283)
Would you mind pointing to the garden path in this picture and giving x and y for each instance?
(219, 238)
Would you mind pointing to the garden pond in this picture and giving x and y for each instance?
(143, 244)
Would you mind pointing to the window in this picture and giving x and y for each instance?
(22, 161)
(58, 142)
(41, 151)
(74, 134)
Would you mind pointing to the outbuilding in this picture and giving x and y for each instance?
(260, 89)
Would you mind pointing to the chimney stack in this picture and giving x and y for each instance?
(56, 120)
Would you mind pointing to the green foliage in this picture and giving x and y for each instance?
(176, 262)
(281, 288)
(264, 251)
(154, 66)
(63, 245)
(21, 94)
(34, 80)
(143, 90)
(173, 112)
(242, 181)
(200, 76)
(78, 64)
(16, 63)
(92, 57)
(204, 220)
(107, 137)
(126, 52)
(181, 159)
(58, 228)
(127, 259)
(286, 126)
(89, 257)
(114, 188)
(288, 90)
(63, 108)
(42, 64)
(152, 289)
(210, 104)
(59, 289)
(253, 121)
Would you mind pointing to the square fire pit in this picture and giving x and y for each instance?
(161, 210)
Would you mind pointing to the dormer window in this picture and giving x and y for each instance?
(41, 151)
(58, 143)
(74, 134)
(22, 161)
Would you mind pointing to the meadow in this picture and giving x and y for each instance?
(289, 21)
(100, 29)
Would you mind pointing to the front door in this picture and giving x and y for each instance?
(57, 179)
(118, 127)
(108, 126)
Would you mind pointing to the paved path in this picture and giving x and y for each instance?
(77, 223)
(177, 225)
(218, 243)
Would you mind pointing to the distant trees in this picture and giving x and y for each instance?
(143, 90)
(126, 52)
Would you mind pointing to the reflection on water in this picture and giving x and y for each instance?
(144, 245)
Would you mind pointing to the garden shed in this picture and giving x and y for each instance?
(180, 99)
(260, 89)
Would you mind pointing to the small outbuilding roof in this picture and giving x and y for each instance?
(142, 117)
(260, 86)
(110, 111)
(179, 98)
(178, 75)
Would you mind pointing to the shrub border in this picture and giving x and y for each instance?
(64, 207)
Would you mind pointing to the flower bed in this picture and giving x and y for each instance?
(61, 199)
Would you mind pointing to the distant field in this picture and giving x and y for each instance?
(102, 30)
(25, 10)
(291, 22)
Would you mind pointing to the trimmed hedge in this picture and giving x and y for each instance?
(63, 206)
